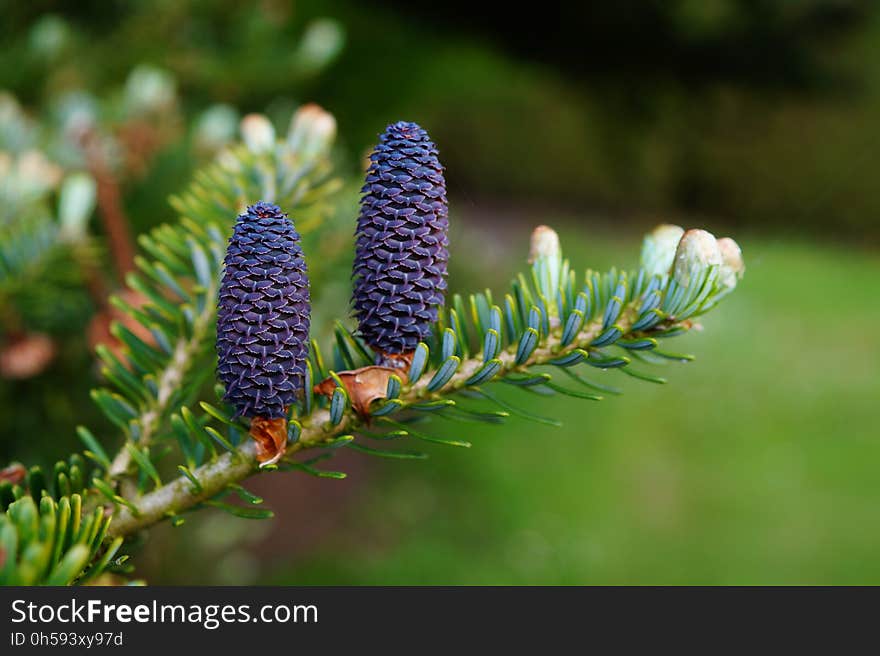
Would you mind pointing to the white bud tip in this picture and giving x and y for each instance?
(545, 256)
(321, 43)
(732, 265)
(216, 127)
(36, 174)
(312, 130)
(150, 89)
(76, 202)
(697, 251)
(258, 133)
(545, 243)
(658, 248)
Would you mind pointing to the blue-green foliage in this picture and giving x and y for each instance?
(55, 543)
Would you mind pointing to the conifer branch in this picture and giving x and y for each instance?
(317, 429)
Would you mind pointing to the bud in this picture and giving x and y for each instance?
(76, 202)
(696, 252)
(658, 249)
(77, 114)
(321, 43)
(544, 244)
(732, 265)
(401, 242)
(216, 127)
(49, 36)
(150, 89)
(312, 130)
(36, 174)
(258, 133)
(263, 314)
(545, 256)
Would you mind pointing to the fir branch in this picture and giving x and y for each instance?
(318, 429)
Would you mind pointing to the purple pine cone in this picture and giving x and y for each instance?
(263, 314)
(402, 247)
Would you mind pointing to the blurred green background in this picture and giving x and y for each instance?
(755, 464)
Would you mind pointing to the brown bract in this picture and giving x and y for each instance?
(363, 385)
(271, 438)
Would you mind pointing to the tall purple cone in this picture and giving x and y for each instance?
(263, 314)
(402, 247)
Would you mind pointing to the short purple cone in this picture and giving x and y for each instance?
(263, 314)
